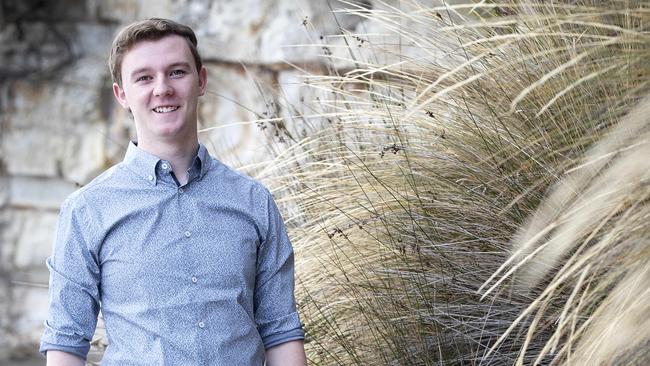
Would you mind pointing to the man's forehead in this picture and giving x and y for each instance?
(166, 51)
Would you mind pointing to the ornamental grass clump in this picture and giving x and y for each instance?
(591, 236)
(477, 191)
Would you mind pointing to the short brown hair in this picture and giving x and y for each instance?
(148, 30)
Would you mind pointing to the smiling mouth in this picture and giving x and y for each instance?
(165, 109)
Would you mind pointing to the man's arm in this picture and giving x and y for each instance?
(289, 354)
(74, 283)
(60, 358)
(277, 319)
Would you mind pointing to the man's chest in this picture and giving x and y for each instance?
(177, 250)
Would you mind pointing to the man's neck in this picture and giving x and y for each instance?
(180, 155)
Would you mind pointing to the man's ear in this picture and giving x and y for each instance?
(120, 96)
(203, 80)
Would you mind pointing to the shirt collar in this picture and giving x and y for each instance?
(204, 159)
(144, 164)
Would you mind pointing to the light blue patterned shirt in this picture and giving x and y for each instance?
(199, 274)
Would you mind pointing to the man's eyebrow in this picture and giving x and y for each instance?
(175, 64)
(181, 64)
(139, 71)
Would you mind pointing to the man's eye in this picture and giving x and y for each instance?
(177, 73)
(143, 78)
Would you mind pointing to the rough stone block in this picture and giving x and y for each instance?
(39, 193)
(5, 319)
(34, 243)
(9, 233)
(270, 31)
(300, 103)
(119, 10)
(85, 157)
(4, 190)
(29, 311)
(34, 152)
(226, 112)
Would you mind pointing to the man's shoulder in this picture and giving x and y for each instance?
(98, 187)
(234, 178)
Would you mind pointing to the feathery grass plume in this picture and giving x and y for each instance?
(593, 233)
(442, 137)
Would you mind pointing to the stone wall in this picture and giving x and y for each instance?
(60, 126)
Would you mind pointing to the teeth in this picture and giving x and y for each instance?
(165, 109)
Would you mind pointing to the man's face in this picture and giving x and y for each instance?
(161, 86)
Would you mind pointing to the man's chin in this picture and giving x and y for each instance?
(172, 134)
(165, 130)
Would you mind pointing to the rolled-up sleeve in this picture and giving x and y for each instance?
(74, 283)
(275, 310)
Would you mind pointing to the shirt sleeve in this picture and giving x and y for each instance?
(73, 285)
(275, 309)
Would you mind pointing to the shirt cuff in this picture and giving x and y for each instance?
(80, 351)
(276, 339)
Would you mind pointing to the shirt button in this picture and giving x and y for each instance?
(180, 190)
(150, 177)
(165, 166)
(194, 279)
(201, 325)
(187, 234)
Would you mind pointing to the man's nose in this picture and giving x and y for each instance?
(163, 87)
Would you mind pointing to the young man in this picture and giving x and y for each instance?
(188, 260)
